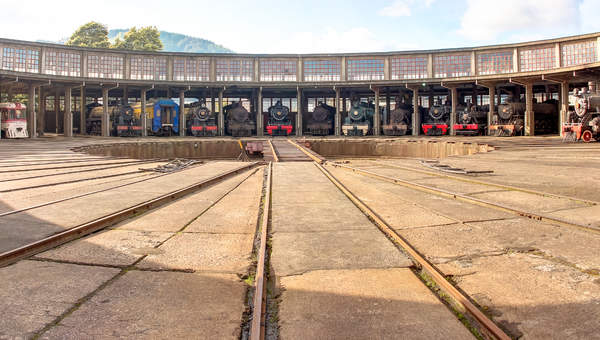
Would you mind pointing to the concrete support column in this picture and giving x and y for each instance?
(564, 104)
(125, 95)
(9, 94)
(453, 113)
(338, 115)
(376, 117)
(492, 111)
(221, 117)
(182, 113)
(388, 105)
(82, 109)
(259, 115)
(299, 113)
(105, 118)
(31, 115)
(56, 109)
(41, 116)
(68, 115)
(529, 114)
(474, 95)
(416, 116)
(143, 118)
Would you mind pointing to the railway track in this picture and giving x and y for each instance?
(461, 301)
(485, 183)
(29, 169)
(76, 232)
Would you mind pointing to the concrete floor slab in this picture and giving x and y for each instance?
(472, 240)
(111, 247)
(235, 213)
(529, 202)
(363, 304)
(295, 253)
(405, 208)
(176, 215)
(228, 253)
(306, 217)
(532, 297)
(35, 293)
(589, 215)
(163, 305)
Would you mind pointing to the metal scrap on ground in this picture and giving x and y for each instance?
(434, 164)
(174, 165)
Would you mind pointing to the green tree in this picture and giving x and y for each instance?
(92, 34)
(144, 39)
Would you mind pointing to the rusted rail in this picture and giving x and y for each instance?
(33, 248)
(275, 157)
(469, 199)
(257, 328)
(496, 185)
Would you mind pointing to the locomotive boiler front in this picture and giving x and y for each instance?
(279, 122)
(239, 122)
(320, 122)
(201, 121)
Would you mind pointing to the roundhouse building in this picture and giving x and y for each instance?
(65, 79)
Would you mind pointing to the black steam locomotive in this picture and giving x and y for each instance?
(360, 116)
(201, 121)
(471, 120)
(279, 123)
(240, 122)
(584, 122)
(436, 121)
(398, 119)
(122, 121)
(510, 119)
(321, 120)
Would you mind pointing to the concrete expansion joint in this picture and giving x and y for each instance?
(79, 263)
(336, 269)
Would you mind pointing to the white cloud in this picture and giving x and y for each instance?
(589, 15)
(329, 40)
(487, 19)
(399, 8)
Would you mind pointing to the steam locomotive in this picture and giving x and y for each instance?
(240, 123)
(436, 121)
(584, 122)
(321, 120)
(200, 121)
(360, 116)
(279, 123)
(471, 120)
(509, 121)
(123, 122)
(399, 119)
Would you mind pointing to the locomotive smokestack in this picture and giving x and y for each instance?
(592, 87)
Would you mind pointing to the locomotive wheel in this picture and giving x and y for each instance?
(586, 136)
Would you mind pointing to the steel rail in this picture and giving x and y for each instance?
(257, 328)
(71, 181)
(275, 157)
(82, 165)
(469, 199)
(76, 232)
(437, 276)
(75, 172)
(501, 186)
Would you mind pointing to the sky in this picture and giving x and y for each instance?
(314, 26)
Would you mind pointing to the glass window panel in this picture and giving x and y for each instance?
(105, 66)
(366, 69)
(452, 65)
(537, 59)
(409, 68)
(63, 63)
(322, 70)
(495, 62)
(20, 59)
(234, 69)
(278, 70)
(579, 53)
